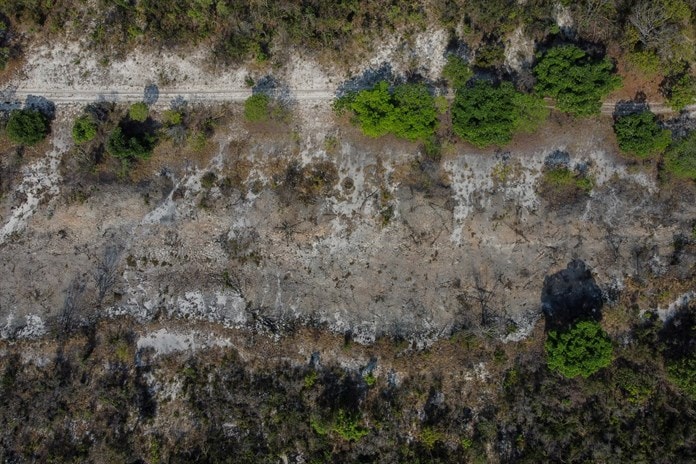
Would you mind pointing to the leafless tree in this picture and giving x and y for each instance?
(105, 275)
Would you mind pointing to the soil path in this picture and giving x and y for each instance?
(213, 95)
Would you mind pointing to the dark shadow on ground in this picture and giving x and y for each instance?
(150, 94)
(569, 296)
(367, 80)
(42, 105)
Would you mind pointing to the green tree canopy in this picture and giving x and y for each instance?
(485, 114)
(27, 127)
(84, 129)
(456, 71)
(256, 108)
(680, 159)
(575, 80)
(640, 134)
(407, 111)
(138, 112)
(582, 350)
(131, 147)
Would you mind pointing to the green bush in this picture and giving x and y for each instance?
(84, 129)
(408, 111)
(27, 127)
(682, 92)
(680, 159)
(576, 81)
(256, 108)
(580, 351)
(129, 148)
(172, 118)
(485, 114)
(138, 112)
(640, 134)
(456, 71)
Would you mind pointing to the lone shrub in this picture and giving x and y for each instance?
(680, 159)
(485, 114)
(682, 92)
(581, 351)
(138, 112)
(575, 80)
(256, 108)
(27, 127)
(347, 427)
(84, 129)
(640, 134)
(407, 111)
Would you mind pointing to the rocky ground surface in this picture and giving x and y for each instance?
(385, 242)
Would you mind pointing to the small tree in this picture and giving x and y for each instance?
(575, 80)
(456, 71)
(256, 108)
(640, 134)
(84, 129)
(27, 127)
(129, 148)
(408, 111)
(582, 350)
(682, 92)
(138, 112)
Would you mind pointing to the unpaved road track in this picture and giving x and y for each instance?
(209, 95)
(70, 96)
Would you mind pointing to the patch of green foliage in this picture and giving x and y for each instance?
(129, 147)
(680, 159)
(27, 127)
(574, 79)
(310, 379)
(636, 385)
(84, 129)
(318, 426)
(456, 71)
(348, 427)
(429, 437)
(563, 178)
(172, 118)
(256, 108)
(641, 135)
(485, 114)
(580, 351)
(646, 61)
(407, 111)
(682, 92)
(138, 112)
(683, 374)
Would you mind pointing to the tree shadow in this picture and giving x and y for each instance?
(275, 89)
(569, 296)
(629, 107)
(42, 105)
(367, 80)
(150, 94)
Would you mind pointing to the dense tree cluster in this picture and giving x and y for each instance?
(405, 110)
